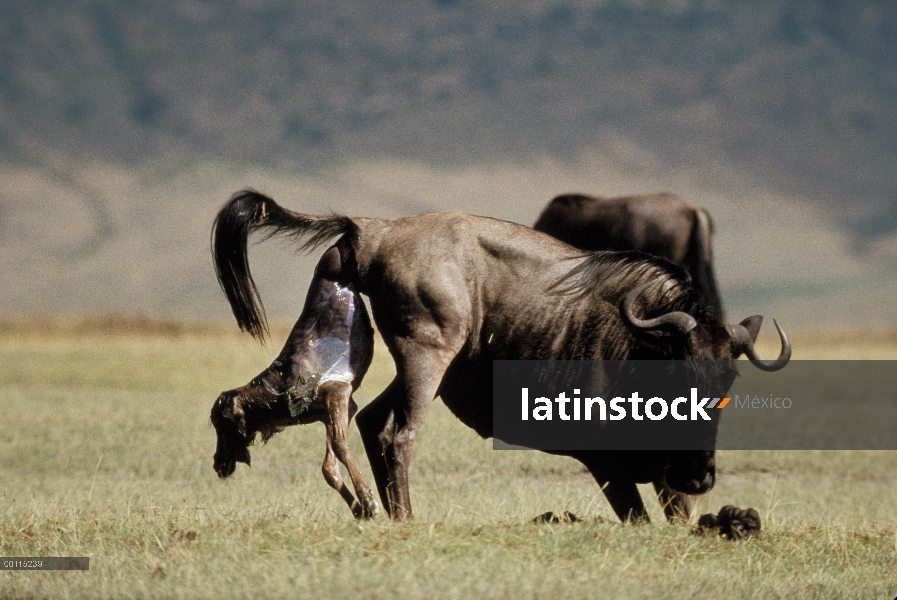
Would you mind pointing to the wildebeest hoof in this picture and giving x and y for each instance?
(373, 508)
(550, 517)
(731, 523)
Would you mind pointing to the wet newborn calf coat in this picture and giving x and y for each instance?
(324, 360)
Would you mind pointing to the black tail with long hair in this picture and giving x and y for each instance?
(244, 213)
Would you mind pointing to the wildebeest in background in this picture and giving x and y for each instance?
(451, 292)
(659, 224)
(323, 361)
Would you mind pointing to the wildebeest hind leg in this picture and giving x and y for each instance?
(396, 416)
(420, 370)
(380, 423)
(676, 505)
(340, 408)
(372, 421)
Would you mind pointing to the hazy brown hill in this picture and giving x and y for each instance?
(124, 126)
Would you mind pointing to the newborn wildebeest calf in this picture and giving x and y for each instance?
(324, 360)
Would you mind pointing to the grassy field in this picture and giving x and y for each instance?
(106, 451)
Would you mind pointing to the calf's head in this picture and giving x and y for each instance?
(262, 407)
(258, 408)
(229, 420)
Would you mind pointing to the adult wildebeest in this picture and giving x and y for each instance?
(323, 361)
(659, 224)
(451, 292)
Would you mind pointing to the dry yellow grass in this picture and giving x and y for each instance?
(105, 451)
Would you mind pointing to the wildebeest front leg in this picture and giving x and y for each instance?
(340, 408)
(623, 496)
(676, 505)
(626, 501)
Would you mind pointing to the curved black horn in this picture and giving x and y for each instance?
(744, 343)
(680, 321)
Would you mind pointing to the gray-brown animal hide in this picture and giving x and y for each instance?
(451, 292)
(659, 224)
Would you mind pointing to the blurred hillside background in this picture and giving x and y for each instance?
(125, 125)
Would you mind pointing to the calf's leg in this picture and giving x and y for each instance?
(330, 469)
(340, 408)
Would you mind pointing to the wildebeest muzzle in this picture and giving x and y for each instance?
(695, 474)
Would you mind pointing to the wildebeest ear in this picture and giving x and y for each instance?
(228, 407)
(752, 324)
(239, 417)
(221, 410)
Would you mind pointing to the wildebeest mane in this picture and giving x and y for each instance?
(248, 211)
(615, 274)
